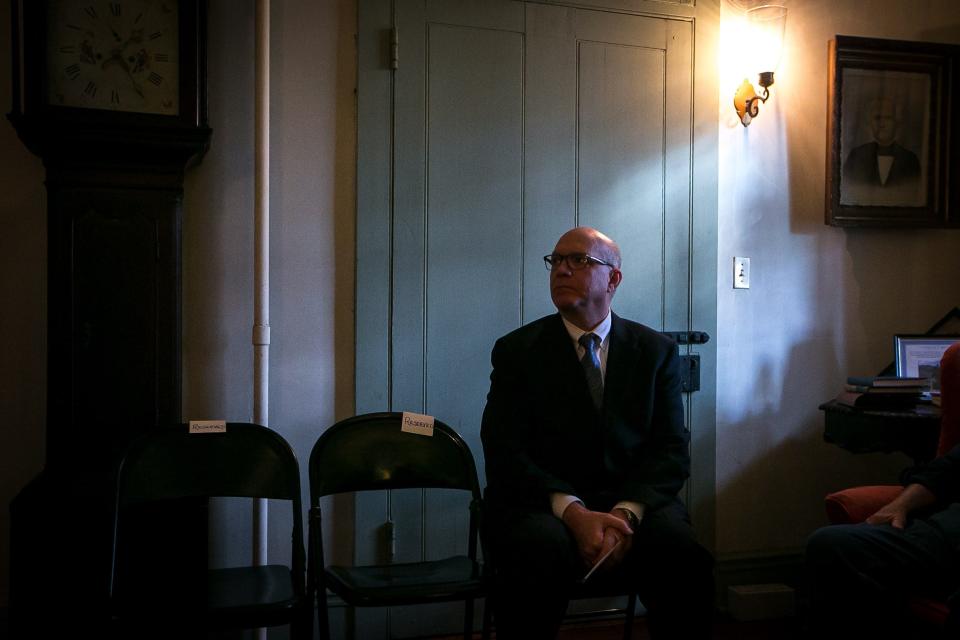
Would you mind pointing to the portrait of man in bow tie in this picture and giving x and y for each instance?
(885, 123)
(883, 162)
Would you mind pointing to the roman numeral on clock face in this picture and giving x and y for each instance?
(113, 55)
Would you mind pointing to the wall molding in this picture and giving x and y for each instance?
(783, 566)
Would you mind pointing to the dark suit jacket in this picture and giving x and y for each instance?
(542, 434)
(941, 475)
(861, 165)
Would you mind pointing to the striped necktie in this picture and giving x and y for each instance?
(591, 366)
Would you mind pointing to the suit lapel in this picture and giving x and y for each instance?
(564, 372)
(621, 353)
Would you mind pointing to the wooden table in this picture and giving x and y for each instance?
(913, 431)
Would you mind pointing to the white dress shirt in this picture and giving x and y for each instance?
(560, 501)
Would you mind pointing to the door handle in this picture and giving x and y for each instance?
(688, 337)
(689, 364)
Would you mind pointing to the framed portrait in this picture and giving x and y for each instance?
(918, 356)
(889, 134)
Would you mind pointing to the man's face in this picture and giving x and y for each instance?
(588, 290)
(883, 121)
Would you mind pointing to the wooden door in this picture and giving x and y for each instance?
(503, 125)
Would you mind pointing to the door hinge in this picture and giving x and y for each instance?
(394, 49)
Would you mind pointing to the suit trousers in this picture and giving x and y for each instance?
(861, 574)
(537, 565)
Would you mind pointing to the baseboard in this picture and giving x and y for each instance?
(784, 567)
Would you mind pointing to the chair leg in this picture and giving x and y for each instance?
(628, 623)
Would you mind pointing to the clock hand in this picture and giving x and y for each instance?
(87, 53)
(117, 59)
(139, 61)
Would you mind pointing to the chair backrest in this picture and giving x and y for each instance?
(246, 461)
(369, 452)
(949, 399)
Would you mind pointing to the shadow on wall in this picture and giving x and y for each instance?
(904, 281)
(773, 498)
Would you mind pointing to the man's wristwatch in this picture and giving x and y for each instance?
(630, 517)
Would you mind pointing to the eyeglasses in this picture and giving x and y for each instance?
(575, 261)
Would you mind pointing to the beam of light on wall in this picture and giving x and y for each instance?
(733, 63)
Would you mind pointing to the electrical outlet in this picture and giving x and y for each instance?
(741, 273)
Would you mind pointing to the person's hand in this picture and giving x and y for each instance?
(892, 514)
(915, 496)
(614, 534)
(596, 532)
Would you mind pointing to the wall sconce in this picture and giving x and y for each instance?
(764, 44)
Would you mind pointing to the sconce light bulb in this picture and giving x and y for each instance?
(766, 27)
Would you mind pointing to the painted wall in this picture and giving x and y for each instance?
(823, 303)
(311, 239)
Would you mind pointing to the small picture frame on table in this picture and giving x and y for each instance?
(918, 356)
(892, 151)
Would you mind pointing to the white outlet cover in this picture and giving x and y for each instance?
(741, 273)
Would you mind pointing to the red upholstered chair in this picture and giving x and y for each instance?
(855, 505)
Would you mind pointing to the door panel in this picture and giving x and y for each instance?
(474, 213)
(509, 123)
(620, 166)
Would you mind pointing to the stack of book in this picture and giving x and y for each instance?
(883, 392)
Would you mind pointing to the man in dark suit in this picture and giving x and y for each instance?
(882, 162)
(586, 450)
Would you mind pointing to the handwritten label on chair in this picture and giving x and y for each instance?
(208, 426)
(417, 423)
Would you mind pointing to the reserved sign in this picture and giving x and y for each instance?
(208, 426)
(417, 423)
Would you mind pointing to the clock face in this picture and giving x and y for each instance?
(119, 56)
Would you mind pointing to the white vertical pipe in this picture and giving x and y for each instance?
(261, 260)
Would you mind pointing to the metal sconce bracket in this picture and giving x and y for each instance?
(745, 100)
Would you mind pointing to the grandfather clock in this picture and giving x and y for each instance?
(112, 97)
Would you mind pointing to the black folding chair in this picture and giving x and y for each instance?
(370, 452)
(170, 465)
